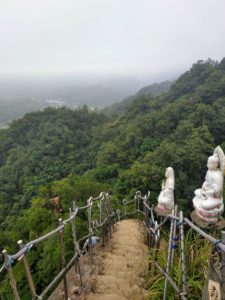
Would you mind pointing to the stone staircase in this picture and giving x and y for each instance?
(123, 266)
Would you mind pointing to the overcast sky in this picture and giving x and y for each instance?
(112, 37)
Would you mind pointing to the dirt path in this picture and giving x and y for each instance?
(123, 266)
(117, 271)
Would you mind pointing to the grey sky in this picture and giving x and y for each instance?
(112, 37)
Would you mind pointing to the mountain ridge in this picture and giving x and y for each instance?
(152, 90)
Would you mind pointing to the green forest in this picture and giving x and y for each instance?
(77, 153)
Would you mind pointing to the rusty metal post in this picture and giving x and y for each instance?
(28, 272)
(182, 249)
(11, 276)
(222, 285)
(63, 259)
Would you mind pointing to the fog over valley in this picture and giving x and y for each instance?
(99, 52)
(21, 95)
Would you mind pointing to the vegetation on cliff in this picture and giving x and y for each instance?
(75, 154)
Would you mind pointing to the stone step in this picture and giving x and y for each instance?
(135, 252)
(110, 284)
(122, 266)
(106, 297)
(116, 266)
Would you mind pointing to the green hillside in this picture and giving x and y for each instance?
(153, 90)
(74, 154)
(11, 109)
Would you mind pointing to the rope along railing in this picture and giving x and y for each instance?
(144, 211)
(106, 220)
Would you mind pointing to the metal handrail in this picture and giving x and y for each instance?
(106, 213)
(152, 229)
(107, 219)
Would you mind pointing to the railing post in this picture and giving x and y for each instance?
(138, 208)
(73, 224)
(222, 286)
(63, 259)
(28, 272)
(11, 276)
(174, 238)
(74, 230)
(78, 266)
(109, 214)
(118, 215)
(157, 241)
(168, 258)
(135, 206)
(151, 265)
(147, 223)
(102, 220)
(125, 209)
(146, 220)
(76, 250)
(182, 249)
(89, 202)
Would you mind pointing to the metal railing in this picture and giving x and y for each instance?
(107, 218)
(141, 206)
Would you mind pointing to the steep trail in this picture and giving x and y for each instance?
(122, 266)
(118, 268)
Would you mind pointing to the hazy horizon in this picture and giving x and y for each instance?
(125, 85)
(91, 50)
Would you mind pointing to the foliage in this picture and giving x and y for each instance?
(75, 154)
(197, 252)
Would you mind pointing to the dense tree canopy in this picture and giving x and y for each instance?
(75, 154)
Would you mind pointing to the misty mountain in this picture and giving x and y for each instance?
(19, 96)
(14, 106)
(18, 99)
(153, 90)
(96, 96)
